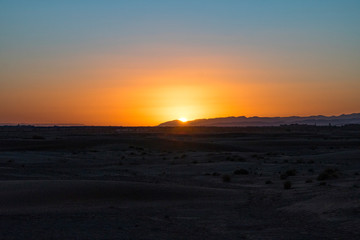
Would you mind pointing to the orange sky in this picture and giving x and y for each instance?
(153, 92)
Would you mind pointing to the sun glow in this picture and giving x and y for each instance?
(182, 119)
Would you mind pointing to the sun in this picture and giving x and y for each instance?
(182, 119)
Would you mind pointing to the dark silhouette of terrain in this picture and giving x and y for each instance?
(341, 120)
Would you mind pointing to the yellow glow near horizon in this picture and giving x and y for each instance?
(153, 103)
(183, 119)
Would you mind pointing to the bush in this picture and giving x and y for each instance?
(329, 173)
(226, 178)
(241, 172)
(287, 185)
(268, 182)
(291, 172)
(38, 137)
(288, 173)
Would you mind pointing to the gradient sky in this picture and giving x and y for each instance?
(145, 62)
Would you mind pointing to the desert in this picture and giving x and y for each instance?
(286, 182)
(179, 120)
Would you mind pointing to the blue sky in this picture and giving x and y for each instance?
(57, 23)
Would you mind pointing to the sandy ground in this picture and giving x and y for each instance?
(179, 183)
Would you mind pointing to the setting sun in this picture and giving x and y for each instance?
(182, 119)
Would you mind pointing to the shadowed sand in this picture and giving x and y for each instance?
(180, 183)
(37, 194)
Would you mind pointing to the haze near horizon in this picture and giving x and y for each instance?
(143, 63)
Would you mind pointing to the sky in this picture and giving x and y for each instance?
(141, 63)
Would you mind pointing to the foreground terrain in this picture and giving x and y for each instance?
(290, 182)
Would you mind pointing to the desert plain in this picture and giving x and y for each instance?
(288, 182)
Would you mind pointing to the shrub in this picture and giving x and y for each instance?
(241, 159)
(287, 185)
(38, 137)
(226, 178)
(291, 172)
(241, 172)
(288, 173)
(329, 173)
(268, 182)
(308, 181)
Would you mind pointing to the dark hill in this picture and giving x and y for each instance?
(242, 121)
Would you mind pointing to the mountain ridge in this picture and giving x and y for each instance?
(242, 121)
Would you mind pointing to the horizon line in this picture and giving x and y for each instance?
(86, 125)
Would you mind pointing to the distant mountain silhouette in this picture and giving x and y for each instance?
(269, 121)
